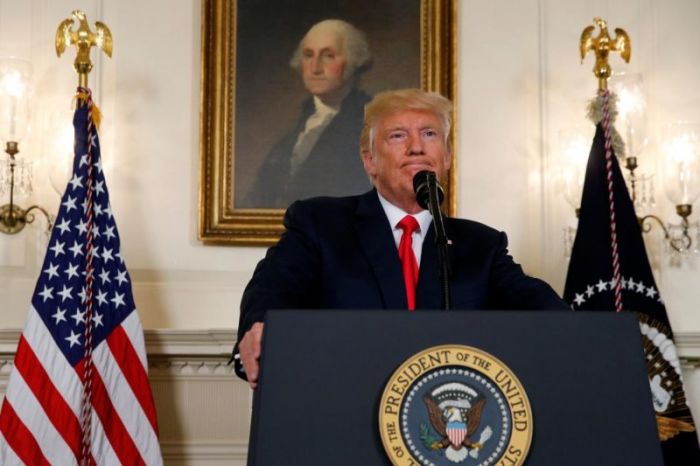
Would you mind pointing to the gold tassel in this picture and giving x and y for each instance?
(96, 114)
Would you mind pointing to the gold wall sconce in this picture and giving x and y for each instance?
(679, 158)
(15, 174)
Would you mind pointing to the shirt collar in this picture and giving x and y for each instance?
(395, 214)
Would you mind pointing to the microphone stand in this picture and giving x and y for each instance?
(440, 241)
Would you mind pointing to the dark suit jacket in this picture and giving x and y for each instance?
(339, 253)
(332, 168)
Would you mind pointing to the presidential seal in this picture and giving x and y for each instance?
(455, 405)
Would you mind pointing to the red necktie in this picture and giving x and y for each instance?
(409, 265)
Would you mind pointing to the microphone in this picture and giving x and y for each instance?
(423, 183)
(429, 195)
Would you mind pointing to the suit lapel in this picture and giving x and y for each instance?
(377, 240)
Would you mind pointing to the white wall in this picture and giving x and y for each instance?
(149, 95)
(520, 81)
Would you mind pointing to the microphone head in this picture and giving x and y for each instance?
(422, 181)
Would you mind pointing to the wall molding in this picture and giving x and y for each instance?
(160, 342)
(204, 451)
(208, 347)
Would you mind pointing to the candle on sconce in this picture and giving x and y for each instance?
(15, 75)
(574, 147)
(631, 108)
(15, 89)
(13, 118)
(681, 152)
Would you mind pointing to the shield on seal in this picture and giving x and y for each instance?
(456, 431)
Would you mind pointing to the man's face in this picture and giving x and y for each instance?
(405, 143)
(323, 63)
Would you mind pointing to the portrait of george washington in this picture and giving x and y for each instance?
(303, 76)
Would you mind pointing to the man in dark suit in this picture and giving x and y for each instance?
(376, 250)
(319, 155)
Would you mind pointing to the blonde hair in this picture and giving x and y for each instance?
(388, 103)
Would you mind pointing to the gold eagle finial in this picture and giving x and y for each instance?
(602, 46)
(84, 39)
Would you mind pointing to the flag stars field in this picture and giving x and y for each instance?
(104, 276)
(101, 297)
(73, 339)
(82, 227)
(107, 255)
(71, 271)
(46, 293)
(75, 182)
(109, 233)
(52, 271)
(60, 315)
(64, 226)
(76, 249)
(121, 277)
(69, 204)
(65, 293)
(57, 248)
(79, 317)
(118, 300)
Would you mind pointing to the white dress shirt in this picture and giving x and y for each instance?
(315, 125)
(396, 214)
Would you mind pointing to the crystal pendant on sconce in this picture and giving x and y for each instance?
(642, 192)
(569, 235)
(22, 177)
(675, 246)
(5, 177)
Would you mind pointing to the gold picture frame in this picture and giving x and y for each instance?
(220, 221)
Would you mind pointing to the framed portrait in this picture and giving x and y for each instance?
(283, 89)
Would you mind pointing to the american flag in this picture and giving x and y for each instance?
(43, 416)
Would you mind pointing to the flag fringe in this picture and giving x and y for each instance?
(595, 114)
(95, 113)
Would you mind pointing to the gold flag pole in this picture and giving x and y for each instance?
(602, 46)
(83, 39)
